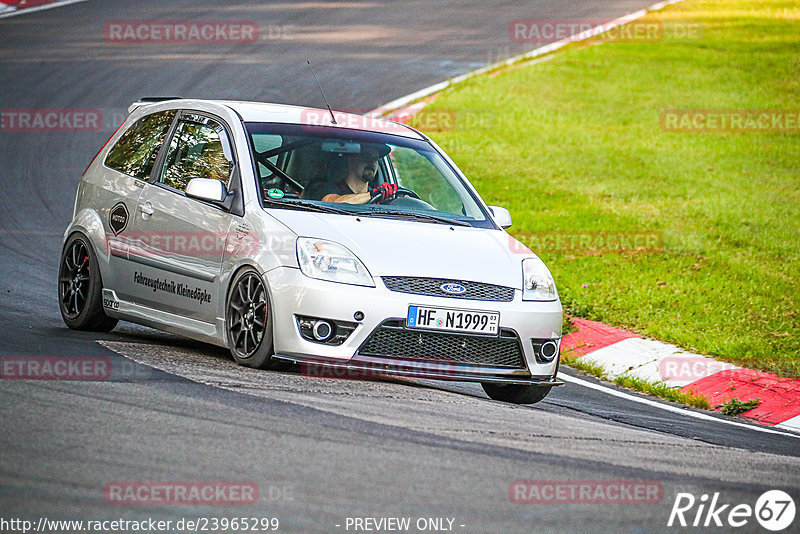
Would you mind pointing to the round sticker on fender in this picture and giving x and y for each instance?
(118, 218)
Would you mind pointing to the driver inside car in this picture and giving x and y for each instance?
(354, 188)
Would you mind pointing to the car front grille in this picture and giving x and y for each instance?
(392, 340)
(432, 287)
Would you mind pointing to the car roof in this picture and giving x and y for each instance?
(286, 114)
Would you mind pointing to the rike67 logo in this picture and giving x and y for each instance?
(774, 510)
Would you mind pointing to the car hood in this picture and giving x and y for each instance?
(395, 247)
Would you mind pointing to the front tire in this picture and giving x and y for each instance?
(248, 321)
(516, 393)
(80, 288)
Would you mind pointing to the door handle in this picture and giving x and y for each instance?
(146, 209)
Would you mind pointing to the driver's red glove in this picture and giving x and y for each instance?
(386, 191)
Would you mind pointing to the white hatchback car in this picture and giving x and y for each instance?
(272, 230)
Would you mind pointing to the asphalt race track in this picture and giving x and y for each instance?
(320, 451)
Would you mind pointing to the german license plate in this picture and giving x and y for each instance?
(453, 320)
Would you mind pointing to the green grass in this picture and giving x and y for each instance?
(656, 389)
(663, 390)
(586, 366)
(573, 145)
(735, 406)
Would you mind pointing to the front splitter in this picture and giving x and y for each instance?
(363, 368)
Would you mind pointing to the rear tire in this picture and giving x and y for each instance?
(516, 393)
(80, 288)
(248, 321)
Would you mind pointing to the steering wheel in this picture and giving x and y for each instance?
(401, 192)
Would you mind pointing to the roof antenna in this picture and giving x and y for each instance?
(333, 119)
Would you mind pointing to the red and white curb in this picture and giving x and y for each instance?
(10, 8)
(619, 353)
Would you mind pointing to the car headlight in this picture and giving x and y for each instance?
(537, 282)
(331, 261)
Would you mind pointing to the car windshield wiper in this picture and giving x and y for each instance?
(304, 206)
(414, 216)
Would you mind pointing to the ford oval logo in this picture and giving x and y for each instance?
(453, 288)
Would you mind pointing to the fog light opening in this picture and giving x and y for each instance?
(549, 350)
(546, 350)
(322, 330)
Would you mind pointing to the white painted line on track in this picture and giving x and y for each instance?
(668, 407)
(14, 12)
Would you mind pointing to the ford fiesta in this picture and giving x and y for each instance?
(295, 235)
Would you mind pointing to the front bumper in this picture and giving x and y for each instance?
(294, 294)
(367, 368)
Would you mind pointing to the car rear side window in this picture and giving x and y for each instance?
(136, 151)
(199, 149)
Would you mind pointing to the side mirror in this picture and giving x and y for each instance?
(501, 216)
(207, 189)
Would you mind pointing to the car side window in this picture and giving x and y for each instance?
(198, 149)
(136, 151)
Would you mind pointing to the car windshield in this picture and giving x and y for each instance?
(329, 169)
